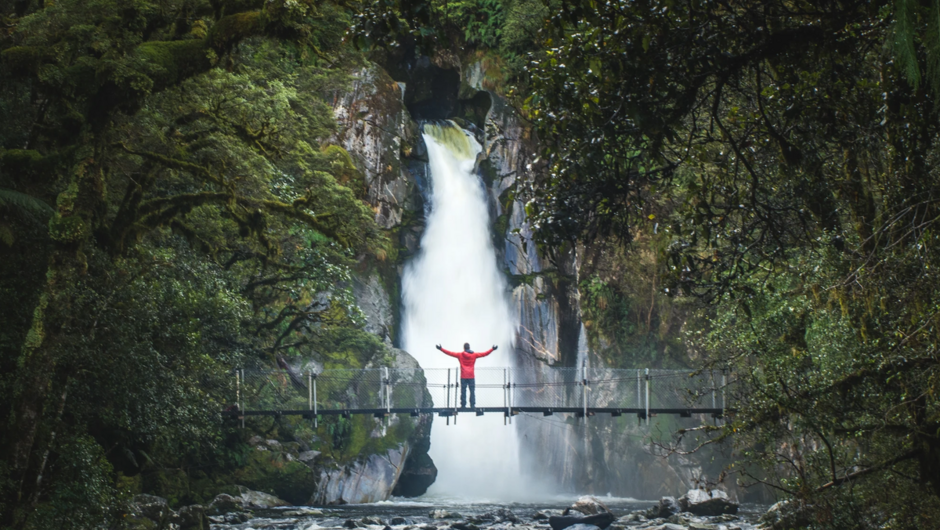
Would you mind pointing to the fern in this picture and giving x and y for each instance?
(905, 51)
(24, 202)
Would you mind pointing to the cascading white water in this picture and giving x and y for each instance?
(454, 293)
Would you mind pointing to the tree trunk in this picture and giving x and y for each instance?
(70, 230)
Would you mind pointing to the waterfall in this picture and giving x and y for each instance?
(454, 293)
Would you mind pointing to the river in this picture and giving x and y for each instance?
(425, 513)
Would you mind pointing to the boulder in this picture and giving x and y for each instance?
(588, 506)
(151, 507)
(461, 525)
(560, 522)
(710, 502)
(398, 521)
(349, 523)
(258, 499)
(631, 519)
(667, 507)
(223, 504)
(372, 521)
(193, 518)
(236, 518)
(443, 514)
(785, 514)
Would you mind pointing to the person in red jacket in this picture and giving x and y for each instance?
(467, 359)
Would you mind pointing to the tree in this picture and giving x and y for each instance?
(791, 160)
(147, 124)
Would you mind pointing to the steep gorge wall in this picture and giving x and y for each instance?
(603, 455)
(379, 130)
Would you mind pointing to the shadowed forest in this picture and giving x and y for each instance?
(749, 186)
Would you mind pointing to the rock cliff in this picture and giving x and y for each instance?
(378, 128)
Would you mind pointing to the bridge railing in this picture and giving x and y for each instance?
(385, 389)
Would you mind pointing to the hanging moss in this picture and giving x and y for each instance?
(36, 333)
(174, 60)
(26, 162)
(344, 169)
(231, 29)
(22, 60)
(67, 229)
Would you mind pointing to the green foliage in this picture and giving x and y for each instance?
(85, 495)
(481, 20)
(791, 169)
(269, 472)
(630, 321)
(831, 380)
(202, 223)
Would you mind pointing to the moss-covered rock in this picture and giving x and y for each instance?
(271, 472)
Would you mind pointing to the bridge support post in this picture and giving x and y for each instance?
(639, 394)
(584, 391)
(447, 391)
(714, 390)
(510, 392)
(647, 396)
(316, 422)
(505, 394)
(723, 383)
(388, 392)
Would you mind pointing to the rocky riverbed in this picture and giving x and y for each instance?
(442, 514)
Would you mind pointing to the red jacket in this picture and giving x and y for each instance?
(467, 360)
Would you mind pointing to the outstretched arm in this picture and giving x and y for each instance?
(448, 352)
(487, 352)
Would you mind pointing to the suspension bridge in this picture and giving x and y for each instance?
(381, 392)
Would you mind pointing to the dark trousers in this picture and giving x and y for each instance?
(464, 383)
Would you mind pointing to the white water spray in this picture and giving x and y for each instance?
(454, 293)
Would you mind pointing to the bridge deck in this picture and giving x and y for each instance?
(479, 411)
(508, 391)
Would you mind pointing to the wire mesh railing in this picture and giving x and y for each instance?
(388, 390)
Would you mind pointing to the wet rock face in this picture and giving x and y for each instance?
(369, 480)
(373, 300)
(419, 471)
(373, 125)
